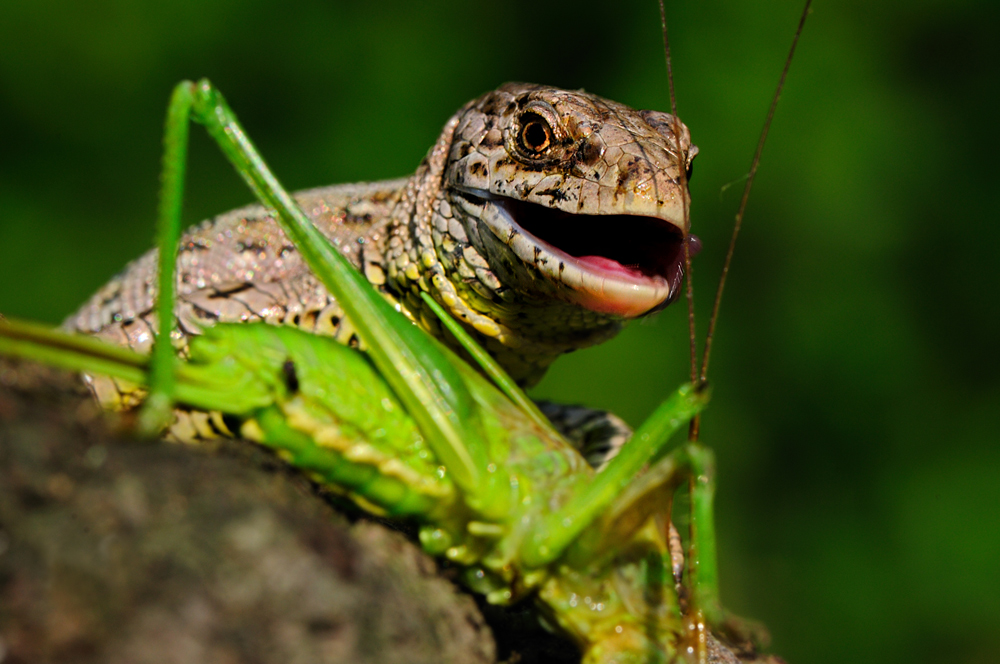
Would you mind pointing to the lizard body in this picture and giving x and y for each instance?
(543, 219)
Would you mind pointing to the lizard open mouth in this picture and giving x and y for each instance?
(626, 265)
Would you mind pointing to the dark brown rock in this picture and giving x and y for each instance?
(115, 550)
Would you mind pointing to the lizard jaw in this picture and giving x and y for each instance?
(636, 268)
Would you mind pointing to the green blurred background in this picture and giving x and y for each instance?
(857, 380)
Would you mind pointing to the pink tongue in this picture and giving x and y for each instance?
(608, 265)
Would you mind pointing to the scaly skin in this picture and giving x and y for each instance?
(444, 230)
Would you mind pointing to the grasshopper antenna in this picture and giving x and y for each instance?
(746, 193)
(681, 160)
(713, 320)
(696, 635)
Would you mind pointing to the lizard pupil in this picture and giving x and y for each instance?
(536, 136)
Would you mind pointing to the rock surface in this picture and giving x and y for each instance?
(119, 551)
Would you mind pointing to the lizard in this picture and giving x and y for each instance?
(542, 219)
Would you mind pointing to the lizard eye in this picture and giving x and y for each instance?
(536, 135)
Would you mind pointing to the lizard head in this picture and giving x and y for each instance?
(545, 218)
(573, 195)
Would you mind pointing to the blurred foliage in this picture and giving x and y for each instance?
(857, 375)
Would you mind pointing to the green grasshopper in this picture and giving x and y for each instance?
(408, 429)
(411, 430)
